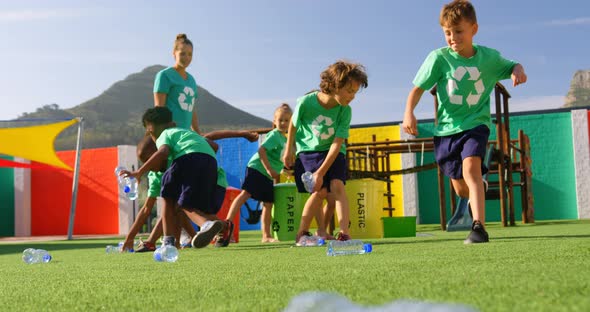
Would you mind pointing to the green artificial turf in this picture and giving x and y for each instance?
(540, 267)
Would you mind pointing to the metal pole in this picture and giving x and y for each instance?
(75, 179)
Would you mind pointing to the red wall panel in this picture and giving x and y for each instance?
(97, 200)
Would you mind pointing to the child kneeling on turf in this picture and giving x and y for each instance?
(189, 181)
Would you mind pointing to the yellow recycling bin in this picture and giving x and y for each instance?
(365, 199)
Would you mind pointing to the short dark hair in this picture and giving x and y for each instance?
(159, 115)
(452, 13)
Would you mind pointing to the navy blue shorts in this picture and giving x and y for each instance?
(191, 181)
(311, 161)
(450, 151)
(259, 186)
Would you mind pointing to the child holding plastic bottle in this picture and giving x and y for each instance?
(145, 149)
(190, 180)
(319, 127)
(261, 172)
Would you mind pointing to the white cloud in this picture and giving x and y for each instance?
(42, 14)
(569, 22)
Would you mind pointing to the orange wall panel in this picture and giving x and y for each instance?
(97, 200)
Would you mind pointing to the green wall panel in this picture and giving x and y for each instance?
(6, 200)
(554, 186)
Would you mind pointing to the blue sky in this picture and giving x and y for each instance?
(256, 54)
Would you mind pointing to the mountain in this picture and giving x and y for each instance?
(579, 93)
(114, 117)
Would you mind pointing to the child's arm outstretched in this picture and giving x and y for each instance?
(410, 124)
(140, 220)
(224, 134)
(153, 164)
(518, 76)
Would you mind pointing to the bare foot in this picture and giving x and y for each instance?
(269, 240)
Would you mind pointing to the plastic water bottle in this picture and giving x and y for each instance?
(308, 181)
(349, 247)
(326, 301)
(166, 253)
(119, 247)
(31, 255)
(185, 240)
(311, 241)
(111, 249)
(129, 185)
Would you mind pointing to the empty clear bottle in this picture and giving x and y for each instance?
(349, 247)
(31, 255)
(128, 185)
(166, 253)
(310, 241)
(308, 181)
(119, 247)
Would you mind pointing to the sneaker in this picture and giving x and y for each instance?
(207, 233)
(145, 246)
(223, 238)
(342, 237)
(299, 235)
(477, 235)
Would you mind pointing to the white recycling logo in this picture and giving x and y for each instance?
(183, 97)
(316, 125)
(458, 75)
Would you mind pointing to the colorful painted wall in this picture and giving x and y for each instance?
(97, 209)
(560, 149)
(554, 180)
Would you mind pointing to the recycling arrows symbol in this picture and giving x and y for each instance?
(458, 75)
(275, 226)
(316, 125)
(188, 91)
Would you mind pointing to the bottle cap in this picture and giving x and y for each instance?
(368, 247)
(321, 242)
(127, 189)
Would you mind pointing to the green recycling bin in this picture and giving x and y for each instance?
(286, 212)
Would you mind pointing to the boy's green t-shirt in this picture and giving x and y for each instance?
(317, 127)
(181, 95)
(463, 86)
(274, 144)
(182, 142)
(154, 183)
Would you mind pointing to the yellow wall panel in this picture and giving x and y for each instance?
(383, 133)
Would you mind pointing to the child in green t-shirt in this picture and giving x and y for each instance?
(189, 181)
(319, 127)
(465, 74)
(261, 172)
(145, 149)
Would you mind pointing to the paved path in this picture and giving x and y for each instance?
(23, 239)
